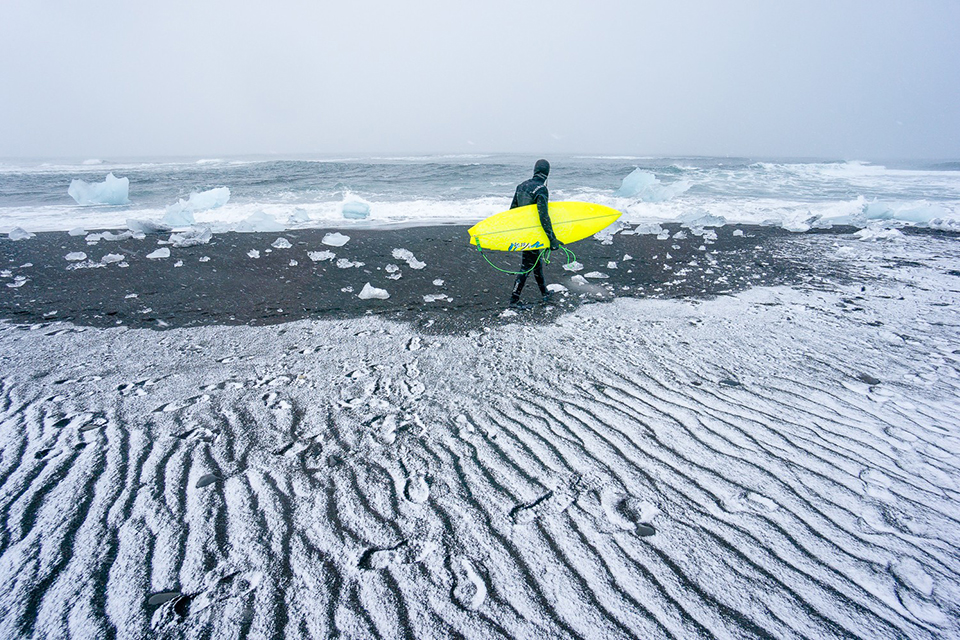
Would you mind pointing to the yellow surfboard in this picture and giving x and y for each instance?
(519, 229)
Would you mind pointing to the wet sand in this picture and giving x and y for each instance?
(232, 288)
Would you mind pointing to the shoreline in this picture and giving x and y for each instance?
(284, 284)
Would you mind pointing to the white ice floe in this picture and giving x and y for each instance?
(253, 253)
(109, 236)
(259, 222)
(75, 256)
(408, 257)
(19, 234)
(648, 188)
(438, 282)
(112, 190)
(320, 256)
(872, 234)
(181, 213)
(293, 263)
(370, 292)
(611, 265)
(355, 210)
(335, 239)
(159, 254)
(344, 263)
(112, 258)
(191, 237)
(281, 243)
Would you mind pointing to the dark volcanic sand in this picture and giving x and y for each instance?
(232, 288)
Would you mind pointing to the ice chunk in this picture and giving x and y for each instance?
(181, 213)
(110, 258)
(556, 288)
(75, 256)
(77, 231)
(320, 256)
(259, 222)
(573, 266)
(409, 258)
(438, 282)
(112, 190)
(433, 297)
(335, 239)
(611, 265)
(355, 210)
(343, 263)
(253, 253)
(871, 234)
(578, 279)
(148, 227)
(162, 252)
(369, 292)
(738, 233)
(19, 234)
(644, 185)
(595, 274)
(281, 243)
(299, 216)
(177, 215)
(191, 237)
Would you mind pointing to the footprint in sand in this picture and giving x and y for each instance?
(221, 585)
(406, 552)
(178, 405)
(915, 590)
(552, 502)
(417, 490)
(470, 590)
(748, 501)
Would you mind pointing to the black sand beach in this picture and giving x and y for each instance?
(233, 288)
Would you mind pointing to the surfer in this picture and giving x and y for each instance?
(529, 192)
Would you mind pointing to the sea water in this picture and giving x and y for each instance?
(318, 192)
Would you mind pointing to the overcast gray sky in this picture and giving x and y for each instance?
(840, 79)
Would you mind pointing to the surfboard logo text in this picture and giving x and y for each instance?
(523, 246)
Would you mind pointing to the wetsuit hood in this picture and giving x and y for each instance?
(541, 168)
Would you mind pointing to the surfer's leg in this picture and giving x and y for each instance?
(525, 264)
(538, 276)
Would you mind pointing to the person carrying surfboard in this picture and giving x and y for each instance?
(534, 191)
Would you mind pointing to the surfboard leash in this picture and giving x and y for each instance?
(544, 255)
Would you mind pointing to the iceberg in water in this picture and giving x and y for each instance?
(259, 221)
(355, 210)
(113, 190)
(644, 185)
(181, 213)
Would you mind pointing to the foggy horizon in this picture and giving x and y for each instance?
(859, 81)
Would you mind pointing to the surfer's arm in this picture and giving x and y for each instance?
(541, 199)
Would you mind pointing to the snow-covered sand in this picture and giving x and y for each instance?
(781, 462)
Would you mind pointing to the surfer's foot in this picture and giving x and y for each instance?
(548, 297)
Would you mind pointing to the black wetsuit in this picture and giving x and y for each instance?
(534, 191)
